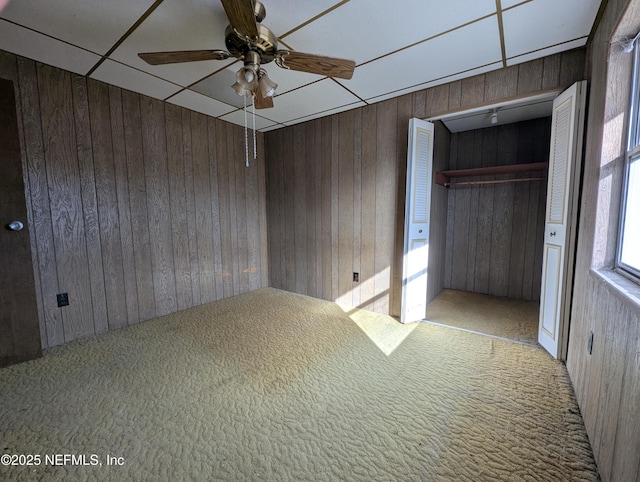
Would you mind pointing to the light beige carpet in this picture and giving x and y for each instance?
(275, 386)
(492, 315)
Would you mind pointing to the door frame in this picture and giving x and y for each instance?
(510, 103)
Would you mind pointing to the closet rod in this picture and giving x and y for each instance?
(495, 181)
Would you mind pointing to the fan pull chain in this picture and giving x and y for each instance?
(255, 148)
(246, 133)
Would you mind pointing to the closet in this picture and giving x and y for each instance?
(496, 195)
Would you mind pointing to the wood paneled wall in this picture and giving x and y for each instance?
(137, 208)
(607, 382)
(495, 231)
(336, 185)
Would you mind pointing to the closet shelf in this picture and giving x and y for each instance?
(444, 177)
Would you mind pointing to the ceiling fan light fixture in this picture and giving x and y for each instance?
(240, 90)
(247, 77)
(267, 86)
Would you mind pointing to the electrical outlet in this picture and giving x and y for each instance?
(63, 299)
(590, 343)
(356, 277)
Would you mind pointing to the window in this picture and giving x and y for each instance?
(629, 244)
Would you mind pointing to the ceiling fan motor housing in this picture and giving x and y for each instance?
(266, 45)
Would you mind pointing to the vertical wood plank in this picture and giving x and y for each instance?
(311, 181)
(626, 448)
(178, 207)
(386, 193)
(123, 204)
(357, 201)
(455, 94)
(300, 167)
(500, 84)
(109, 219)
(530, 76)
(214, 206)
(335, 208)
(472, 91)
(460, 242)
(486, 195)
(233, 154)
(420, 104)
(190, 201)
(317, 146)
(369, 222)
(503, 215)
(262, 199)
(253, 222)
(474, 195)
(614, 356)
(202, 197)
(138, 200)
(156, 175)
(327, 210)
(65, 199)
(224, 191)
(571, 67)
(437, 99)
(551, 71)
(241, 209)
(89, 203)
(42, 228)
(345, 208)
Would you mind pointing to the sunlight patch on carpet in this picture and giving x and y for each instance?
(386, 332)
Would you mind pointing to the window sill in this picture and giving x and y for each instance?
(620, 286)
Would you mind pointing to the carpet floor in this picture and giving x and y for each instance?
(280, 387)
(490, 315)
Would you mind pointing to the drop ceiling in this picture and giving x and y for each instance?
(399, 46)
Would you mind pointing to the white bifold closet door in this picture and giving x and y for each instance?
(417, 210)
(561, 219)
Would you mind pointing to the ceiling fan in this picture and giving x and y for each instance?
(253, 43)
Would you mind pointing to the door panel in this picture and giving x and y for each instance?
(561, 219)
(417, 211)
(19, 327)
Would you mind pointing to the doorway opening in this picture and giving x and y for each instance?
(505, 236)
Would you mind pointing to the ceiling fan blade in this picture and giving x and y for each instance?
(160, 58)
(241, 16)
(315, 64)
(262, 102)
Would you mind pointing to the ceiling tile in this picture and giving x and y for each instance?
(237, 117)
(95, 25)
(548, 51)
(135, 80)
(284, 15)
(510, 3)
(326, 113)
(218, 86)
(200, 103)
(36, 46)
(178, 25)
(440, 81)
(430, 60)
(311, 99)
(364, 29)
(563, 21)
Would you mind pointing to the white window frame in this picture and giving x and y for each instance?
(632, 155)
